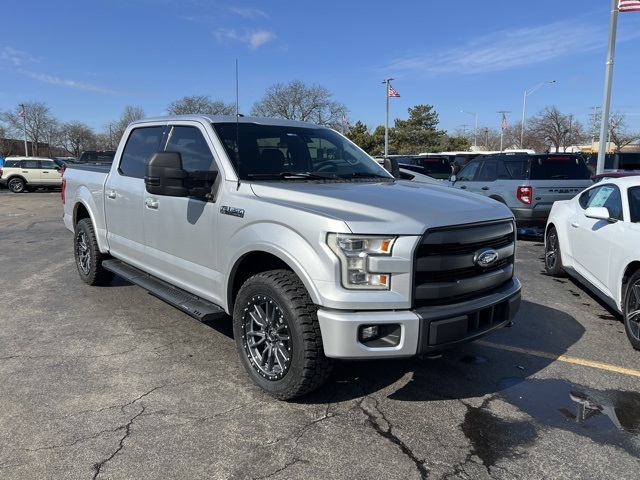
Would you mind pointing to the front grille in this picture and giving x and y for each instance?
(445, 271)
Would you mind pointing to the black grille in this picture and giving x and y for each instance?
(445, 270)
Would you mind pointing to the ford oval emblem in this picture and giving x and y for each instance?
(485, 258)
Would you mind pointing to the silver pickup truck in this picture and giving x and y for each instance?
(313, 248)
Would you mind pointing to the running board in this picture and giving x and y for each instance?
(198, 308)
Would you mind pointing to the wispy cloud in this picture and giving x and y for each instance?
(16, 57)
(43, 77)
(506, 49)
(249, 12)
(252, 38)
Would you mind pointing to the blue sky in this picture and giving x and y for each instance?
(88, 59)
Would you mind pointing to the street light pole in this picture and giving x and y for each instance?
(475, 131)
(524, 106)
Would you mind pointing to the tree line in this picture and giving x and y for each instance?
(550, 129)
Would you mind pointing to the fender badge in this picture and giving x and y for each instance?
(485, 258)
(233, 211)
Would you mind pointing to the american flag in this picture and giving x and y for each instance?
(504, 122)
(629, 6)
(613, 125)
(21, 114)
(392, 92)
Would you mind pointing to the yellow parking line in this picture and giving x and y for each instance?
(563, 358)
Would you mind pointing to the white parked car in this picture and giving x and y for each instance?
(595, 238)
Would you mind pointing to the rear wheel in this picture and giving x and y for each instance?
(277, 334)
(88, 256)
(552, 257)
(631, 310)
(16, 185)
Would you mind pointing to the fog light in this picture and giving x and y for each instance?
(369, 333)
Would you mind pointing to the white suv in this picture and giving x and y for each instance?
(21, 174)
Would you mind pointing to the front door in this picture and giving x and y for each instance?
(179, 231)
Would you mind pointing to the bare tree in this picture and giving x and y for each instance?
(297, 101)
(77, 137)
(200, 104)
(130, 114)
(555, 129)
(619, 132)
(36, 119)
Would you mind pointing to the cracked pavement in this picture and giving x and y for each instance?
(112, 383)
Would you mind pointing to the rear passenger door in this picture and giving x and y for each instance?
(50, 173)
(124, 195)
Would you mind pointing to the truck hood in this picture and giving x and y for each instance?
(369, 208)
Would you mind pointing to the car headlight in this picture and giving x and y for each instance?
(355, 253)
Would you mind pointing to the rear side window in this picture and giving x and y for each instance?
(558, 167)
(140, 147)
(12, 163)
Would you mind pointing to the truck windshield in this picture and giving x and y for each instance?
(281, 152)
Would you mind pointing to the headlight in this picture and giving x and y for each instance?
(354, 252)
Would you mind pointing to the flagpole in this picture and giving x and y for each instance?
(608, 79)
(24, 127)
(386, 118)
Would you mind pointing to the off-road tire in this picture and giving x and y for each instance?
(631, 310)
(552, 257)
(88, 256)
(275, 325)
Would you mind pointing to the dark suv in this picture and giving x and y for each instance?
(436, 166)
(527, 184)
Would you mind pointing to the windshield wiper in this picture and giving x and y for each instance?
(365, 175)
(292, 176)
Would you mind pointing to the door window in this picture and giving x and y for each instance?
(607, 196)
(141, 145)
(190, 143)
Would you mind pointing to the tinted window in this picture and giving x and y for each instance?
(12, 163)
(558, 167)
(48, 164)
(190, 143)
(141, 145)
(516, 170)
(30, 164)
(488, 172)
(634, 203)
(469, 171)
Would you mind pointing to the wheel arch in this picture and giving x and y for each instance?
(630, 269)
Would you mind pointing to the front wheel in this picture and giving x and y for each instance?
(631, 310)
(88, 256)
(277, 335)
(552, 257)
(17, 185)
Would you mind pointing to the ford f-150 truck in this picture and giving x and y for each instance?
(314, 250)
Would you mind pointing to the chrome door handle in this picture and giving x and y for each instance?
(111, 194)
(575, 224)
(151, 203)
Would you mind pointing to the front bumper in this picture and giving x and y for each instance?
(428, 329)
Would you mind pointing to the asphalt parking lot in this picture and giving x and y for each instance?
(113, 383)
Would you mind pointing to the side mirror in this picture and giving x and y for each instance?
(164, 175)
(453, 178)
(391, 165)
(599, 213)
